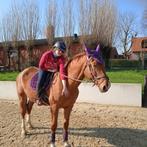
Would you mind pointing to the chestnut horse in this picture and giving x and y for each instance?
(87, 65)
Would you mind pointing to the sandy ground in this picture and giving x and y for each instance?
(91, 125)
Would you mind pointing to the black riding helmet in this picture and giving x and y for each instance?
(60, 45)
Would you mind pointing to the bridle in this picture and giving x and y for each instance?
(95, 77)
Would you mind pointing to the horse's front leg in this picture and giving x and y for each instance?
(67, 112)
(54, 118)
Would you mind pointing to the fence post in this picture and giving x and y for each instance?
(145, 91)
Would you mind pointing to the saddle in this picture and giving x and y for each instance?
(33, 82)
(46, 85)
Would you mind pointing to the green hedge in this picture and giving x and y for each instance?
(124, 64)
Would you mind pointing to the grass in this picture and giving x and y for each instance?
(8, 76)
(124, 76)
(127, 76)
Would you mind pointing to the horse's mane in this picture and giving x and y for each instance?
(75, 58)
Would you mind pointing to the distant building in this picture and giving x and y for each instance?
(9, 56)
(139, 48)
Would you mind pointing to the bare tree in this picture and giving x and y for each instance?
(126, 31)
(16, 31)
(107, 23)
(144, 22)
(11, 27)
(51, 21)
(85, 20)
(5, 37)
(144, 30)
(97, 24)
(5, 33)
(30, 25)
(67, 23)
(100, 23)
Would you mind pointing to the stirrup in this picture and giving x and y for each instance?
(39, 102)
(42, 102)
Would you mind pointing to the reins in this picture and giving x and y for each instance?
(74, 79)
(94, 78)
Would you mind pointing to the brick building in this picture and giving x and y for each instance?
(9, 56)
(139, 48)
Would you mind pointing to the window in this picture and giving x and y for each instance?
(144, 43)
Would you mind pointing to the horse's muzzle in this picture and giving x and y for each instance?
(104, 87)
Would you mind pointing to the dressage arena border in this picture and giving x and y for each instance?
(119, 93)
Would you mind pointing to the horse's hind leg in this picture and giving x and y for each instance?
(29, 108)
(22, 104)
(23, 108)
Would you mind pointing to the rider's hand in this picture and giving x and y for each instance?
(65, 91)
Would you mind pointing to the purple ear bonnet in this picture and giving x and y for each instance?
(96, 54)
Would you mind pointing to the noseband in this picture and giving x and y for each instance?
(95, 77)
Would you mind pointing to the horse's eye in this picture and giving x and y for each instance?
(93, 63)
(92, 60)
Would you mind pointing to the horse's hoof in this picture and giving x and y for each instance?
(29, 126)
(66, 144)
(23, 135)
(52, 145)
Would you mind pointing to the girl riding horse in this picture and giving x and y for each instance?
(89, 65)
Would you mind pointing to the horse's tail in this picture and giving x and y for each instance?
(20, 88)
(21, 80)
(21, 95)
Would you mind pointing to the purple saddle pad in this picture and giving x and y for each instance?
(33, 82)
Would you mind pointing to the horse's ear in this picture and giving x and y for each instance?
(86, 50)
(97, 48)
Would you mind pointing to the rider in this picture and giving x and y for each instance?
(51, 62)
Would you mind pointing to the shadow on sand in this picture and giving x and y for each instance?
(118, 137)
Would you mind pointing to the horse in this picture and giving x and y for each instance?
(84, 65)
